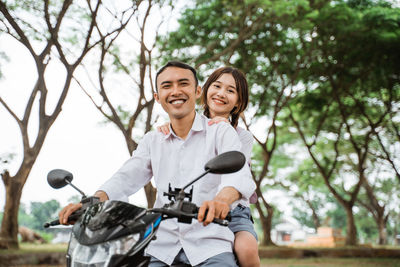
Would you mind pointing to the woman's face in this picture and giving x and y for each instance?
(222, 96)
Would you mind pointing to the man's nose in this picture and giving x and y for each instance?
(175, 89)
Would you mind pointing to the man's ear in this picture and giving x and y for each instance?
(198, 92)
(156, 97)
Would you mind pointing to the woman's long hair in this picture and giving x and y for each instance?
(241, 88)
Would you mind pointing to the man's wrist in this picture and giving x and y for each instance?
(228, 195)
(101, 195)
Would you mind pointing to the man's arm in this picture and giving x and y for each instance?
(219, 206)
(132, 176)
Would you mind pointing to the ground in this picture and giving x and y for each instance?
(331, 262)
(284, 257)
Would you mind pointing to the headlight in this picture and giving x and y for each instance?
(100, 254)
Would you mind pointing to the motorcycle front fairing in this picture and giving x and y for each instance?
(112, 233)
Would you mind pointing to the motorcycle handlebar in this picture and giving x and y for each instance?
(167, 213)
(170, 213)
(73, 217)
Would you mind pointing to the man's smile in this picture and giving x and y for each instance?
(177, 101)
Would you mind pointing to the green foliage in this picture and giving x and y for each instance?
(40, 212)
(337, 216)
(24, 218)
(368, 232)
(336, 62)
(303, 216)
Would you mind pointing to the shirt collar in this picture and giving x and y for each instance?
(197, 126)
(198, 123)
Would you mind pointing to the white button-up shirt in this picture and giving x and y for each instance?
(172, 160)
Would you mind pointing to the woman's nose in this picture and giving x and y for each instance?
(220, 94)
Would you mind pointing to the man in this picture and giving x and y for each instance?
(176, 159)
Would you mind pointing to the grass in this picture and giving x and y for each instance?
(331, 262)
(26, 248)
(36, 248)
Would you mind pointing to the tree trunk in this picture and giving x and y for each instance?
(351, 235)
(266, 224)
(149, 189)
(9, 225)
(382, 230)
(151, 193)
(315, 216)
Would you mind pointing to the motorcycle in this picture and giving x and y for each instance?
(116, 233)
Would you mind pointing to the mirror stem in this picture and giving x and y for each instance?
(76, 188)
(189, 184)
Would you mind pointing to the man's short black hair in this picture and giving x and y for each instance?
(177, 64)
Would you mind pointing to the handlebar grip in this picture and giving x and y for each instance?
(221, 221)
(73, 217)
(52, 223)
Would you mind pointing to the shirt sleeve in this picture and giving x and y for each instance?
(228, 140)
(247, 140)
(133, 175)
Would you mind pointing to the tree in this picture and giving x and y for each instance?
(380, 189)
(305, 185)
(258, 38)
(62, 32)
(353, 81)
(119, 62)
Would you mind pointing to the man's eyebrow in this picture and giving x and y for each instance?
(164, 82)
(180, 80)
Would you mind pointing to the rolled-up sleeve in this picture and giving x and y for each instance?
(133, 175)
(228, 140)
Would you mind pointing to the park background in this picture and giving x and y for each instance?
(76, 83)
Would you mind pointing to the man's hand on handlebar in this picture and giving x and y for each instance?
(72, 207)
(67, 211)
(219, 206)
(214, 209)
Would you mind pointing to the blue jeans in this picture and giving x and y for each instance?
(242, 220)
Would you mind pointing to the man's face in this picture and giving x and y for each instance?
(177, 92)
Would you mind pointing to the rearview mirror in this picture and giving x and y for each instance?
(227, 162)
(59, 178)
